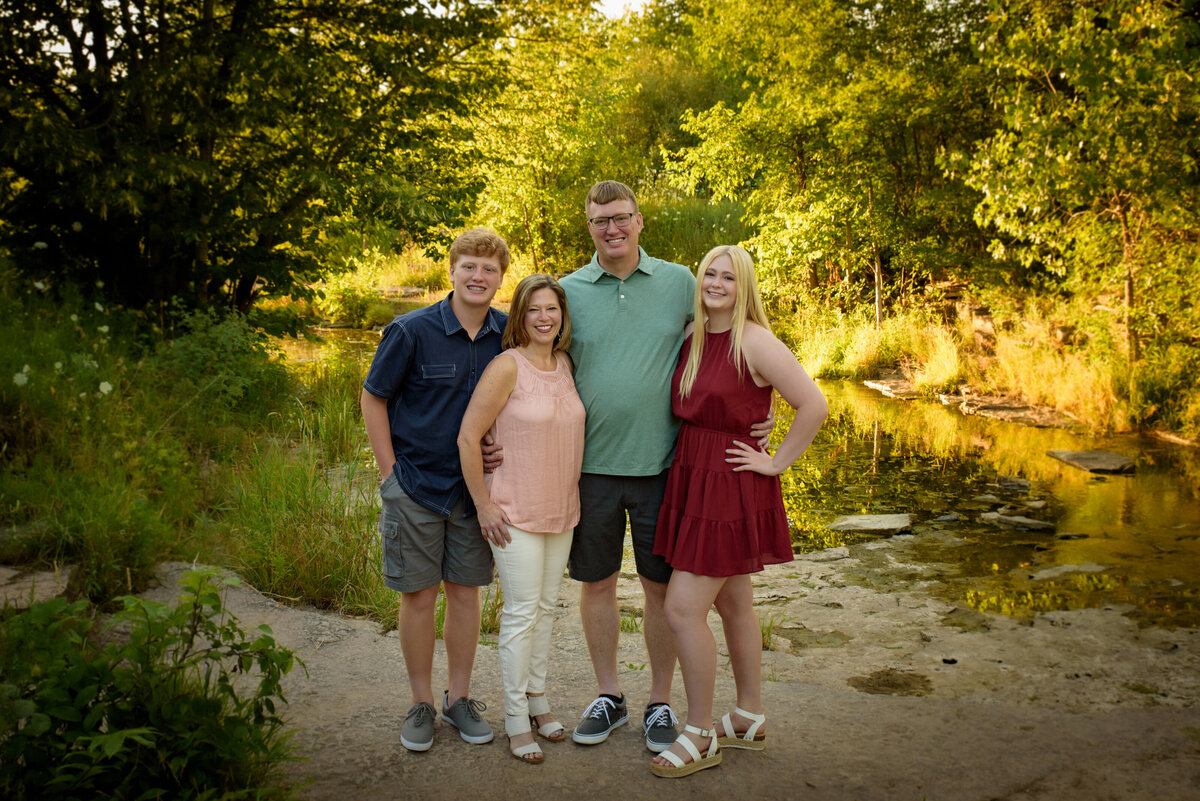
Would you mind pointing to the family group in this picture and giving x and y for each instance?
(630, 394)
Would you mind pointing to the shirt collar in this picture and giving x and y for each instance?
(593, 272)
(451, 325)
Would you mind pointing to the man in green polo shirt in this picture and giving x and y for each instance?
(628, 312)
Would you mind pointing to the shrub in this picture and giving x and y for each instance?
(155, 714)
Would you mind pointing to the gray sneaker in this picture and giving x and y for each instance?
(601, 717)
(417, 734)
(658, 727)
(464, 715)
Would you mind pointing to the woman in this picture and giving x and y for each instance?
(722, 516)
(529, 506)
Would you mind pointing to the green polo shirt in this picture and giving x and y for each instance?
(625, 339)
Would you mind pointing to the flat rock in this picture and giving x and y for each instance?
(1095, 461)
(894, 388)
(18, 589)
(873, 524)
(1016, 521)
(1064, 570)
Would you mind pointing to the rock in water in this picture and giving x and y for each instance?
(873, 524)
(1095, 461)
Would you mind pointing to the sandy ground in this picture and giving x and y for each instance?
(886, 695)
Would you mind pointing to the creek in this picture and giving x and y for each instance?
(1130, 542)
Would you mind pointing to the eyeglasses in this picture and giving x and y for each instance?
(622, 221)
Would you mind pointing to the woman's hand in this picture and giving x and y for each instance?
(761, 431)
(493, 523)
(744, 457)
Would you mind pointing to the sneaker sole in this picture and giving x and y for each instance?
(473, 739)
(411, 746)
(658, 748)
(599, 737)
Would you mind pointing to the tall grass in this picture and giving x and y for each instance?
(303, 532)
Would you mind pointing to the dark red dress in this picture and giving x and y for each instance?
(713, 521)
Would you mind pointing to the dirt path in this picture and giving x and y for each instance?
(1079, 705)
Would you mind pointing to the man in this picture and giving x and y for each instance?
(413, 400)
(628, 312)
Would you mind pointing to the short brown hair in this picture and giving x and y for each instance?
(480, 242)
(606, 192)
(515, 334)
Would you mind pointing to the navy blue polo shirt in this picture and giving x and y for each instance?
(426, 367)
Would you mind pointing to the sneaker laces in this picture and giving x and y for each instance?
(421, 714)
(599, 708)
(474, 707)
(661, 716)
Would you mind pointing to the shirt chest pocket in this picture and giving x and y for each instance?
(436, 371)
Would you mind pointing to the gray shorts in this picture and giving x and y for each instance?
(421, 548)
(599, 540)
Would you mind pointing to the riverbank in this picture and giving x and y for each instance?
(888, 693)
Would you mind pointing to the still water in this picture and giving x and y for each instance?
(1131, 542)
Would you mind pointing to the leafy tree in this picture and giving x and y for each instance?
(198, 149)
(542, 140)
(835, 149)
(1093, 171)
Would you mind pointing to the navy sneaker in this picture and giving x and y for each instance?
(658, 727)
(599, 719)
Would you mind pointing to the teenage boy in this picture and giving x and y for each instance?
(413, 400)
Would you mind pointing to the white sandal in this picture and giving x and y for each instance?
(711, 757)
(530, 753)
(553, 731)
(751, 739)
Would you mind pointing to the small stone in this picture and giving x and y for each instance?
(1010, 483)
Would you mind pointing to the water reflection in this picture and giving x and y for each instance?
(329, 344)
(1131, 540)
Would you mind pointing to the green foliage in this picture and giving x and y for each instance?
(220, 366)
(834, 146)
(181, 702)
(110, 440)
(302, 531)
(205, 151)
(1093, 173)
(683, 229)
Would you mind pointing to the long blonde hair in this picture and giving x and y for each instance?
(747, 306)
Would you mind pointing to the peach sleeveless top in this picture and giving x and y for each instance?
(541, 431)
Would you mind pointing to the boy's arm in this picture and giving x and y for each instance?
(379, 431)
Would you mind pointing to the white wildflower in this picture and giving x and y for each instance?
(74, 318)
(58, 367)
(99, 306)
(105, 387)
(40, 286)
(77, 226)
(39, 245)
(103, 329)
(20, 379)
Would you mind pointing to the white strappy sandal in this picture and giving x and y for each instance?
(553, 731)
(752, 739)
(710, 759)
(530, 753)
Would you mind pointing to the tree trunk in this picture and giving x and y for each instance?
(1128, 245)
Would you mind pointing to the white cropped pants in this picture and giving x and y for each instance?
(531, 570)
